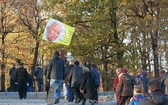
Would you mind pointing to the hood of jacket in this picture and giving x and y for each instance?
(56, 56)
(126, 76)
(157, 98)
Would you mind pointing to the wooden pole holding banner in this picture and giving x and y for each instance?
(62, 54)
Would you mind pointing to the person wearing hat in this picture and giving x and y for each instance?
(144, 82)
(125, 87)
(55, 74)
(21, 79)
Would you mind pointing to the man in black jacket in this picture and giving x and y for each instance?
(39, 77)
(21, 79)
(75, 77)
(55, 74)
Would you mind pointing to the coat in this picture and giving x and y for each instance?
(75, 76)
(12, 73)
(155, 98)
(136, 99)
(67, 71)
(87, 85)
(125, 85)
(56, 68)
(38, 73)
(96, 76)
(21, 79)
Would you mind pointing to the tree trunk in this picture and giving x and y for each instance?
(35, 58)
(3, 64)
(154, 47)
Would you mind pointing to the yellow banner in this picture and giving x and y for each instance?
(58, 32)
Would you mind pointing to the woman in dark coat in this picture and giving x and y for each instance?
(87, 85)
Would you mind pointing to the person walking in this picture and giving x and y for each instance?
(39, 77)
(55, 74)
(116, 80)
(12, 78)
(155, 96)
(144, 82)
(125, 87)
(21, 79)
(138, 76)
(88, 64)
(70, 94)
(87, 86)
(75, 77)
(96, 78)
(47, 83)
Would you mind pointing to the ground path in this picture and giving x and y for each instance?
(39, 98)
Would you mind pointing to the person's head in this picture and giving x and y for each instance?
(71, 63)
(137, 89)
(21, 64)
(88, 62)
(85, 69)
(13, 65)
(124, 70)
(56, 54)
(139, 71)
(93, 65)
(144, 73)
(118, 71)
(37, 65)
(162, 72)
(53, 31)
(76, 63)
(154, 85)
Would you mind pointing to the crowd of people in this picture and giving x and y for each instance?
(140, 90)
(81, 83)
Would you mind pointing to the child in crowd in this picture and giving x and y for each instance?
(137, 96)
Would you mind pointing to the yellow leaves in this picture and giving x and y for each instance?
(74, 2)
(123, 2)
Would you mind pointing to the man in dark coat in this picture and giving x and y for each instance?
(55, 74)
(21, 79)
(39, 77)
(75, 77)
(12, 78)
(155, 96)
(96, 77)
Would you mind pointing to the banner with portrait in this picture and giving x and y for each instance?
(58, 32)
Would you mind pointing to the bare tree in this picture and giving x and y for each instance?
(8, 20)
(31, 17)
